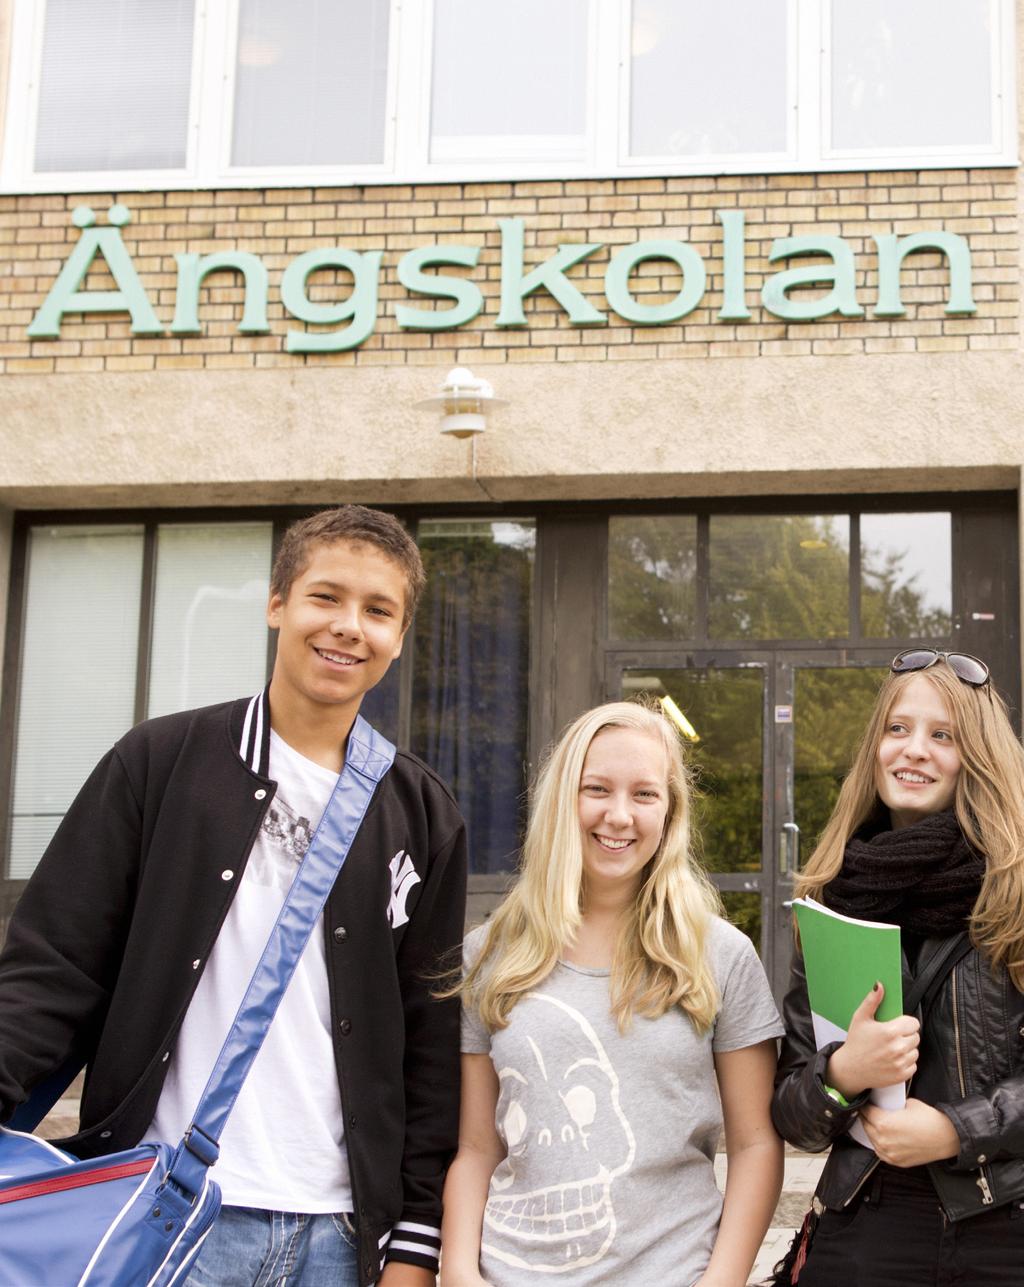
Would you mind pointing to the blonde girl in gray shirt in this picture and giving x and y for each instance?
(612, 1024)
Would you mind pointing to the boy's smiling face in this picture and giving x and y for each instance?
(339, 628)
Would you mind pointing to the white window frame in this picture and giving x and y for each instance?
(408, 103)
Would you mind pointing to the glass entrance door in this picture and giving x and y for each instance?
(820, 711)
(769, 738)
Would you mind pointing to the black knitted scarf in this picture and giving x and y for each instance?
(924, 878)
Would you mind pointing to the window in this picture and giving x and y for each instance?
(906, 566)
(176, 93)
(209, 614)
(720, 578)
(652, 577)
(114, 87)
(500, 88)
(81, 683)
(911, 74)
(777, 576)
(310, 82)
(471, 673)
(709, 79)
(170, 615)
(77, 691)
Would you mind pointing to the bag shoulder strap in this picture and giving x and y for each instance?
(942, 962)
(368, 757)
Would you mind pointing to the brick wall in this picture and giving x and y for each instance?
(36, 235)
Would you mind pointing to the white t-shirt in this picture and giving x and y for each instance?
(283, 1147)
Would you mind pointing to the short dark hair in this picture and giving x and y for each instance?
(360, 525)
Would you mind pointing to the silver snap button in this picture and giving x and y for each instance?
(982, 1157)
(227, 875)
(828, 1112)
(261, 794)
(195, 963)
(105, 1135)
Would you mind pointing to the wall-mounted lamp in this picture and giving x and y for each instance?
(464, 402)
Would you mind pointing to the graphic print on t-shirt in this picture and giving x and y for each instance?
(286, 835)
(562, 1105)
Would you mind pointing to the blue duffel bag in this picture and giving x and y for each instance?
(122, 1219)
(138, 1218)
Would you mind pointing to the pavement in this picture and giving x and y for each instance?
(802, 1171)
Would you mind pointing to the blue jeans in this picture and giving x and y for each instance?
(251, 1248)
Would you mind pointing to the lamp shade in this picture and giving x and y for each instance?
(464, 401)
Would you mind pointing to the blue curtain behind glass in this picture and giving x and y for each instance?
(471, 685)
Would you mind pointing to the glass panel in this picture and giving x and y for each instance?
(906, 584)
(911, 73)
(724, 711)
(209, 614)
(708, 79)
(652, 577)
(509, 80)
(744, 911)
(114, 85)
(311, 82)
(78, 661)
(380, 705)
(831, 709)
(779, 576)
(471, 674)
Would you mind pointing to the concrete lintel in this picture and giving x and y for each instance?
(718, 427)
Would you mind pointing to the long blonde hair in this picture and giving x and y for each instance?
(989, 805)
(659, 958)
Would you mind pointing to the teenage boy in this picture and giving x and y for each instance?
(134, 941)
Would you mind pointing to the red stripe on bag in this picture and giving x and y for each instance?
(59, 1184)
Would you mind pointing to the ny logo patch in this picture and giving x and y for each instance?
(403, 876)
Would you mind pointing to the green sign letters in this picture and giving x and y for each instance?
(825, 262)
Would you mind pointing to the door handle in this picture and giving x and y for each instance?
(789, 850)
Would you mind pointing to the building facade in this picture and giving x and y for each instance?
(747, 282)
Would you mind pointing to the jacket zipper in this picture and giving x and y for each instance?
(982, 1179)
(956, 1036)
(79, 1180)
(863, 1180)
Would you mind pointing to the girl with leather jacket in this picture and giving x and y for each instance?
(927, 833)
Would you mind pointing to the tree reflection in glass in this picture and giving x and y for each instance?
(652, 576)
(906, 575)
(744, 911)
(830, 713)
(725, 709)
(779, 576)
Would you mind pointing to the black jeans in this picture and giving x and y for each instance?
(895, 1234)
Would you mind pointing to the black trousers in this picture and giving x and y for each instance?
(895, 1234)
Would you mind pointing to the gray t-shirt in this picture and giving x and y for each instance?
(610, 1137)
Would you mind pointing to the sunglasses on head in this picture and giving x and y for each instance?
(971, 670)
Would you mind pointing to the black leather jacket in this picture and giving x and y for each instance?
(970, 1066)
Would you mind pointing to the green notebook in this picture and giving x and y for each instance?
(843, 959)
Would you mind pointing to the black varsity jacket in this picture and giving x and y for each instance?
(111, 935)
